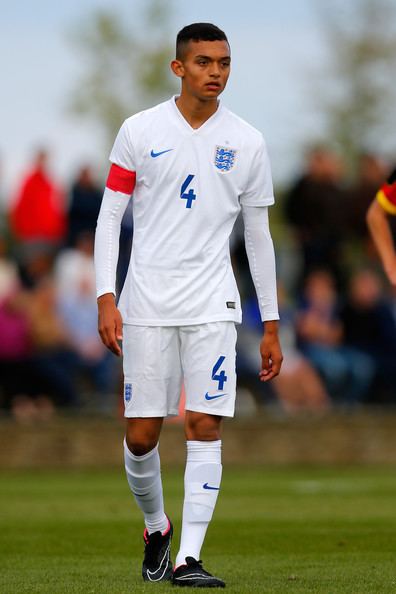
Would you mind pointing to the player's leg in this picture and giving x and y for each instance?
(147, 384)
(201, 488)
(143, 471)
(201, 481)
(209, 363)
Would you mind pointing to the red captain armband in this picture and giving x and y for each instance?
(387, 195)
(121, 180)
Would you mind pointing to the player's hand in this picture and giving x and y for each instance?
(271, 354)
(109, 323)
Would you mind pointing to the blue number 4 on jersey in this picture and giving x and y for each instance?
(190, 196)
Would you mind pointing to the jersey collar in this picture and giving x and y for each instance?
(185, 125)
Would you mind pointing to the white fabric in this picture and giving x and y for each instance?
(260, 253)
(144, 478)
(107, 235)
(202, 480)
(190, 185)
(156, 359)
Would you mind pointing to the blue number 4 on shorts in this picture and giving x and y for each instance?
(219, 377)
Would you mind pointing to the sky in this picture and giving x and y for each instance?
(276, 48)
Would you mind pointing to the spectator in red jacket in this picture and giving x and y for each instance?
(38, 214)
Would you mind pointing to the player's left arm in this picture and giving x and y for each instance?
(261, 257)
(271, 352)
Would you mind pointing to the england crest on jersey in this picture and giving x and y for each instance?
(225, 158)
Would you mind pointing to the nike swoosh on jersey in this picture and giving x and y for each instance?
(209, 397)
(154, 155)
(207, 486)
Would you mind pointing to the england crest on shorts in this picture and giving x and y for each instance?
(128, 392)
(225, 158)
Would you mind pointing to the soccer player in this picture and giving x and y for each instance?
(383, 206)
(191, 166)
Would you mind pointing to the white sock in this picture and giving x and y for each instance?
(201, 488)
(144, 478)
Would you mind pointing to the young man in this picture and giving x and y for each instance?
(192, 166)
(383, 206)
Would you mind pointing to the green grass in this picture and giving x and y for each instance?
(276, 530)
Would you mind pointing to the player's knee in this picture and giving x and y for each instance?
(140, 444)
(201, 427)
(140, 447)
(141, 435)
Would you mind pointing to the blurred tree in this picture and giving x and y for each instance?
(359, 91)
(125, 64)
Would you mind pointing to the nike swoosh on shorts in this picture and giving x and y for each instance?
(209, 397)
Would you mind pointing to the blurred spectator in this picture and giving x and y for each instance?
(360, 247)
(74, 268)
(369, 325)
(37, 214)
(54, 359)
(8, 271)
(19, 385)
(75, 279)
(14, 343)
(371, 174)
(85, 201)
(347, 372)
(299, 387)
(315, 208)
(36, 262)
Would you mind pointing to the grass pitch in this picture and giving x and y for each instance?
(276, 530)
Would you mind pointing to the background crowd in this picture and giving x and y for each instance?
(338, 316)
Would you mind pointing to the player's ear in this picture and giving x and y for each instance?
(177, 68)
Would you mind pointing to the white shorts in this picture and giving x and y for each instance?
(158, 358)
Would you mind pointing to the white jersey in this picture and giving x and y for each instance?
(190, 186)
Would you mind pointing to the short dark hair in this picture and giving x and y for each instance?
(197, 32)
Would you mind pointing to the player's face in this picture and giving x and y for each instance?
(204, 69)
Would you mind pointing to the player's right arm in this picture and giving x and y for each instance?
(119, 188)
(109, 323)
(383, 206)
